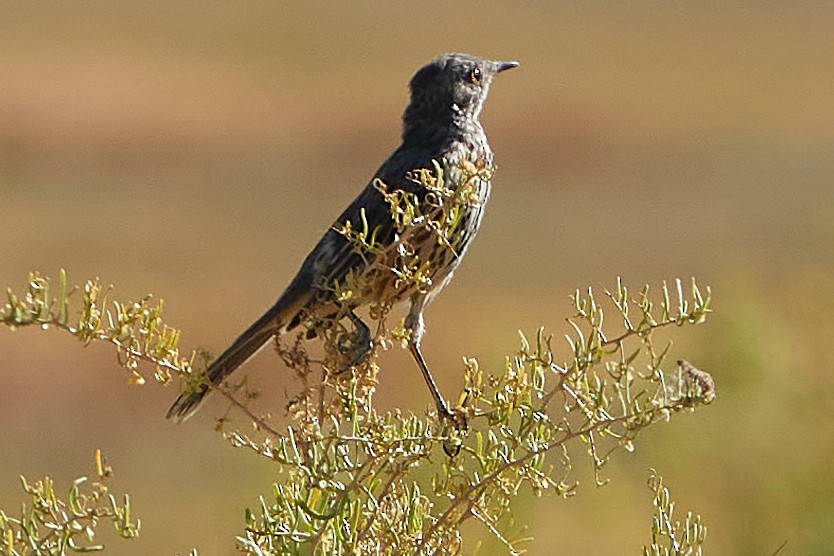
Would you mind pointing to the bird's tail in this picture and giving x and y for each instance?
(246, 345)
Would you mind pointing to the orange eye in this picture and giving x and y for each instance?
(475, 76)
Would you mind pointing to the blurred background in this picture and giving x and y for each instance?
(197, 151)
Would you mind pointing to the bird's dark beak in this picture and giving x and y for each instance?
(501, 66)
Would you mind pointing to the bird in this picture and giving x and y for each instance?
(440, 126)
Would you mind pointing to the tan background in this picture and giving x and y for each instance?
(197, 152)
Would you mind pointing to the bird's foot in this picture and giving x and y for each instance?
(356, 345)
(455, 424)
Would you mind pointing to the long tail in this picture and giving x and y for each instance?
(247, 344)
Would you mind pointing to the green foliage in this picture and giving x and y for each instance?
(136, 329)
(357, 481)
(49, 525)
(672, 538)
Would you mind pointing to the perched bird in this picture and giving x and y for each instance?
(440, 126)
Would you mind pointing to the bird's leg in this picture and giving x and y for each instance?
(439, 402)
(414, 321)
(360, 346)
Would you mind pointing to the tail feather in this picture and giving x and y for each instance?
(246, 345)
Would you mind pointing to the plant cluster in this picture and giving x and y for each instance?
(50, 525)
(354, 480)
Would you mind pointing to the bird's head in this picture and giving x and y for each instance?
(451, 86)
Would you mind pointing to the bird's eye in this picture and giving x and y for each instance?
(475, 76)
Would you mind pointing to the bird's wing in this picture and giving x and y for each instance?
(335, 256)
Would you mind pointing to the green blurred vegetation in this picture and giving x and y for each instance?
(197, 152)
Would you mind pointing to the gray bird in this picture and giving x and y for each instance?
(440, 125)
